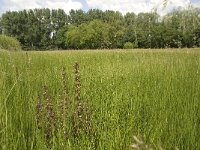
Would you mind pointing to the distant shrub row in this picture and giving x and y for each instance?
(9, 43)
(129, 45)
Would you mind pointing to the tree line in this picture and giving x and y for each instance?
(42, 29)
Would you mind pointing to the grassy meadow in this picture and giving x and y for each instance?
(113, 97)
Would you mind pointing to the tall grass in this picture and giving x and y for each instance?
(153, 94)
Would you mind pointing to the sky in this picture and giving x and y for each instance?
(123, 6)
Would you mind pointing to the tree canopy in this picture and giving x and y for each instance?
(42, 29)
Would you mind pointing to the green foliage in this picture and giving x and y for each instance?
(73, 37)
(34, 28)
(9, 43)
(92, 35)
(61, 37)
(128, 45)
(95, 14)
(97, 29)
(77, 17)
(0, 27)
(196, 37)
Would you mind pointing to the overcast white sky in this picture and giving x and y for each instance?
(123, 6)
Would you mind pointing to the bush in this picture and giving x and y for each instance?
(9, 43)
(129, 45)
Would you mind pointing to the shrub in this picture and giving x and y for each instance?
(129, 45)
(9, 43)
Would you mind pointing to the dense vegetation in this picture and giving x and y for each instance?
(46, 103)
(52, 29)
(9, 43)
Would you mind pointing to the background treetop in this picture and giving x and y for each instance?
(97, 29)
